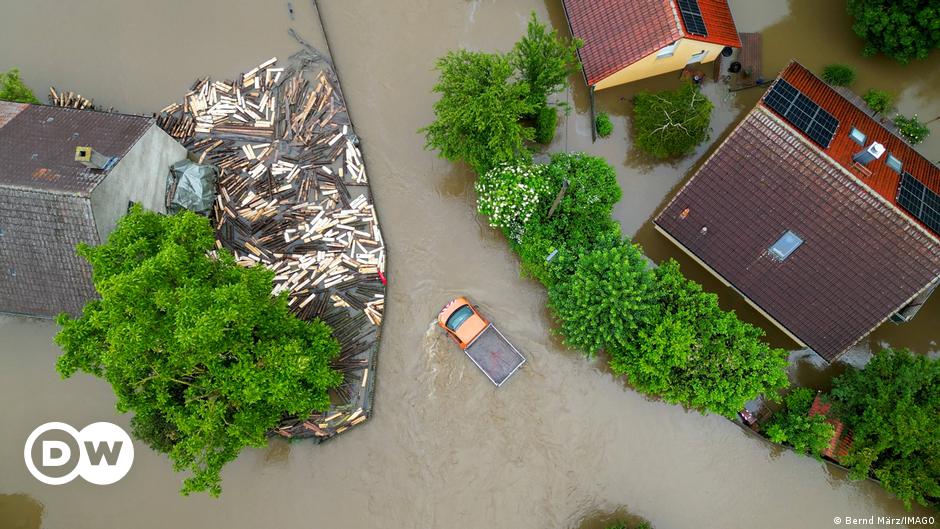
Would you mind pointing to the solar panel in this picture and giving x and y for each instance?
(921, 202)
(692, 17)
(819, 125)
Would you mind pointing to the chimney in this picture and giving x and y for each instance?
(873, 152)
(93, 159)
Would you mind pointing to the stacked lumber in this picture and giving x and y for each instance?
(69, 100)
(293, 196)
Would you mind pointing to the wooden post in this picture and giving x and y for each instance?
(558, 197)
(593, 119)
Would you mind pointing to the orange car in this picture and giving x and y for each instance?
(482, 342)
(462, 321)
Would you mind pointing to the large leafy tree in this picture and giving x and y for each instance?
(581, 221)
(893, 408)
(194, 344)
(809, 434)
(696, 354)
(13, 89)
(606, 301)
(671, 122)
(544, 60)
(901, 29)
(478, 116)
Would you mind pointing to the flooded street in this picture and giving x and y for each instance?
(562, 441)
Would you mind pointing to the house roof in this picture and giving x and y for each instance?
(37, 145)
(841, 440)
(852, 112)
(40, 273)
(618, 33)
(861, 260)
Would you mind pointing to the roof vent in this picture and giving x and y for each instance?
(785, 245)
(873, 152)
(93, 159)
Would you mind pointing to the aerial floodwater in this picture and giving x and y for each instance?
(563, 443)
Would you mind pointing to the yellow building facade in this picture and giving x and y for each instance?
(668, 59)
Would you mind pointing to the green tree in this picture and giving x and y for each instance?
(793, 424)
(479, 112)
(880, 101)
(194, 344)
(603, 124)
(546, 121)
(544, 60)
(695, 354)
(838, 74)
(901, 29)
(13, 89)
(893, 409)
(671, 122)
(911, 129)
(607, 299)
(581, 222)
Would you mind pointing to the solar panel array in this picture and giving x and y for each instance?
(819, 125)
(921, 202)
(692, 17)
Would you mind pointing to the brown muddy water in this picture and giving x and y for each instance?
(563, 441)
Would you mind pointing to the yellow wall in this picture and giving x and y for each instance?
(650, 66)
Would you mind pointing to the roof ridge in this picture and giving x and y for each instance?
(815, 148)
(838, 90)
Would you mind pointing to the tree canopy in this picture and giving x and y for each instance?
(893, 409)
(544, 60)
(901, 29)
(794, 425)
(671, 122)
(194, 344)
(479, 112)
(696, 354)
(13, 89)
(606, 301)
(581, 221)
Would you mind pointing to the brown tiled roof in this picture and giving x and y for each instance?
(44, 206)
(37, 146)
(40, 274)
(618, 33)
(861, 259)
(876, 175)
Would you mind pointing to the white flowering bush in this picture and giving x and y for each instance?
(509, 196)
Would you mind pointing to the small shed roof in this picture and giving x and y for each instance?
(841, 440)
(618, 33)
(37, 145)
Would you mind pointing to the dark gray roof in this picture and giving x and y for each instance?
(40, 273)
(37, 145)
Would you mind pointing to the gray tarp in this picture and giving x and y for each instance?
(191, 186)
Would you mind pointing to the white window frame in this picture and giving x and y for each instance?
(667, 51)
(697, 57)
(852, 134)
(900, 168)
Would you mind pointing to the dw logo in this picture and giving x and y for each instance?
(55, 453)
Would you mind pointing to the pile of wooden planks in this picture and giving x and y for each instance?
(69, 100)
(293, 196)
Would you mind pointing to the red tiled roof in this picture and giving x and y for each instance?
(841, 440)
(877, 175)
(718, 22)
(861, 260)
(618, 33)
